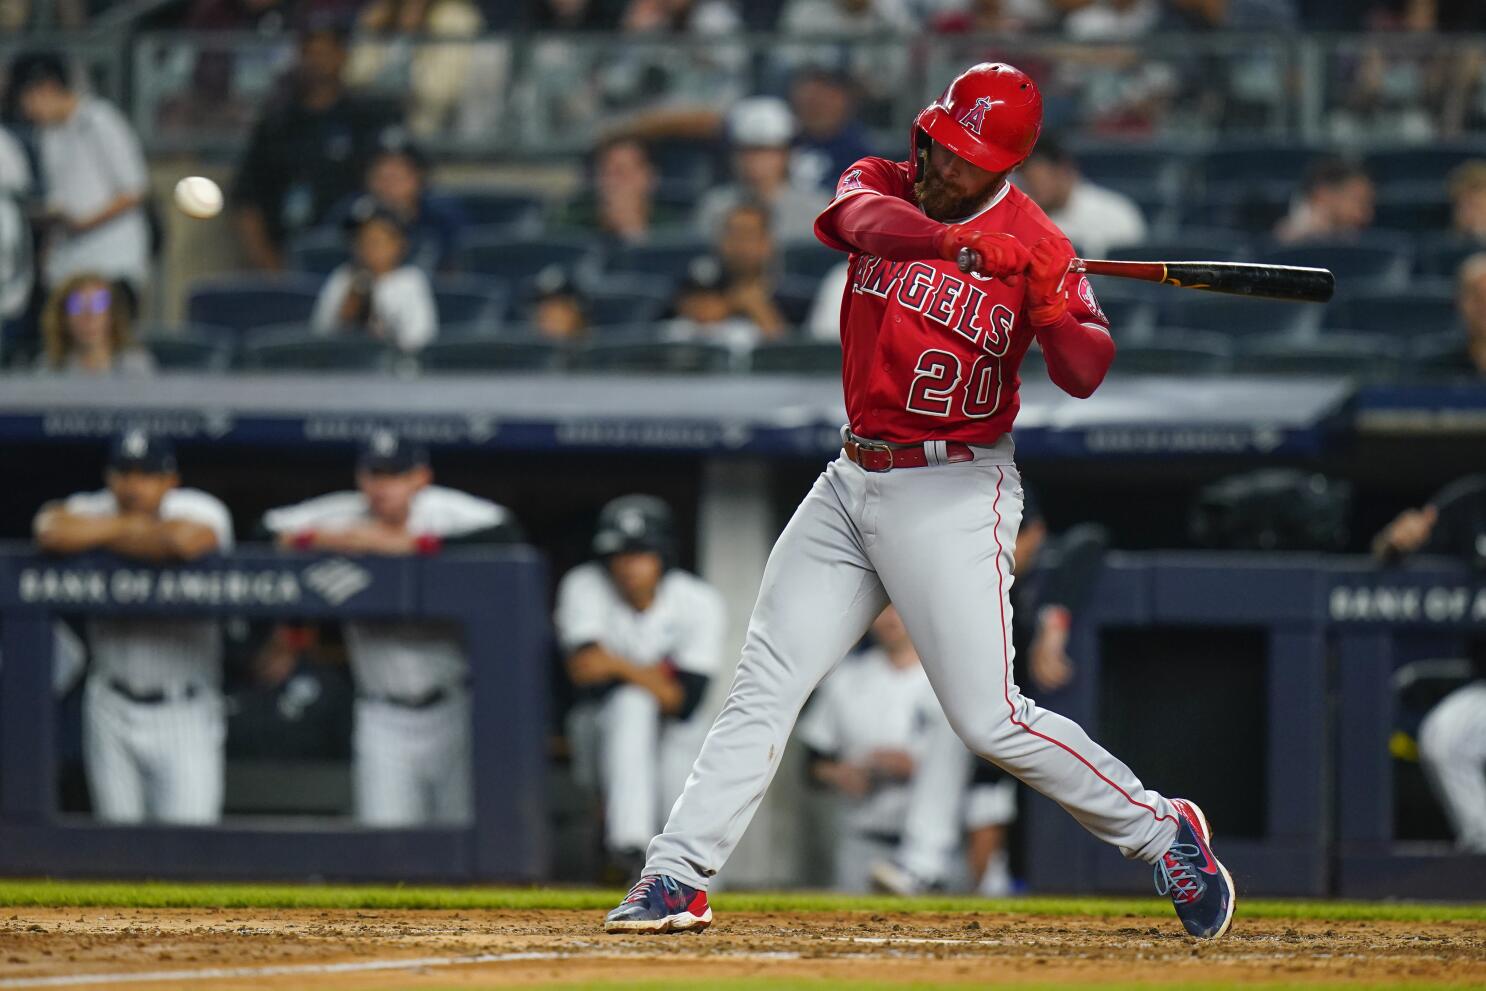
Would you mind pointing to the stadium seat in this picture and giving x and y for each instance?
(1441, 257)
(513, 212)
(1430, 163)
(685, 164)
(470, 299)
(804, 357)
(1251, 206)
(1176, 352)
(809, 259)
(1188, 245)
(519, 258)
(1128, 318)
(238, 302)
(668, 258)
(1120, 166)
(1408, 314)
(1413, 209)
(297, 349)
(1369, 263)
(1235, 316)
(318, 252)
(490, 355)
(656, 357)
(1259, 162)
(1443, 358)
(626, 298)
(795, 297)
(188, 348)
(1353, 355)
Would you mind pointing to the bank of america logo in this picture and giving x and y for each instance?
(337, 579)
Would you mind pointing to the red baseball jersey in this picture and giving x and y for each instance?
(930, 352)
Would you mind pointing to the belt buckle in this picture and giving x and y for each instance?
(867, 445)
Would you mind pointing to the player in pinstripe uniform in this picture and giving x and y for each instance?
(1452, 738)
(411, 741)
(152, 706)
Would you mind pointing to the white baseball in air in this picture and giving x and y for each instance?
(199, 197)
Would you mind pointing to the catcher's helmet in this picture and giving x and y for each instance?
(635, 523)
(990, 116)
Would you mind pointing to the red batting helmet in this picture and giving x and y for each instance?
(990, 116)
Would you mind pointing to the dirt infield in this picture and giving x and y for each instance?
(299, 948)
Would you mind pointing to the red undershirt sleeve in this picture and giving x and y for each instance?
(1078, 355)
(881, 225)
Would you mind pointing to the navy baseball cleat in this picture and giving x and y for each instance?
(1199, 886)
(660, 904)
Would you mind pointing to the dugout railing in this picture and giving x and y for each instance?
(498, 597)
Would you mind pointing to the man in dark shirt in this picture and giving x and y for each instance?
(307, 152)
(830, 136)
(397, 181)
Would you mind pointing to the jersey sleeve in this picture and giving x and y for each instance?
(337, 508)
(579, 616)
(99, 503)
(866, 176)
(460, 513)
(700, 648)
(206, 509)
(1084, 305)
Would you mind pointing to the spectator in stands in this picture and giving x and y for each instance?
(397, 181)
(17, 271)
(988, 17)
(264, 17)
(153, 719)
(864, 731)
(435, 76)
(569, 15)
(559, 310)
(307, 153)
(411, 742)
(377, 292)
(1468, 200)
(846, 17)
(745, 246)
(1229, 15)
(760, 130)
(1470, 299)
(622, 208)
(1113, 20)
(85, 331)
(93, 170)
(702, 17)
(1094, 218)
(703, 310)
(1336, 201)
(830, 137)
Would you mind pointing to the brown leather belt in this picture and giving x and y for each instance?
(877, 456)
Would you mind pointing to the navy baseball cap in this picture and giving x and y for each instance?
(136, 450)
(383, 452)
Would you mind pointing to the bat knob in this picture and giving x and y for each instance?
(968, 259)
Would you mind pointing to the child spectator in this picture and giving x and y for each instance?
(85, 331)
(377, 292)
(559, 311)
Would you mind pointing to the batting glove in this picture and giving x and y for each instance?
(1047, 268)
(1000, 256)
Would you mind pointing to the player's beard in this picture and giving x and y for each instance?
(943, 202)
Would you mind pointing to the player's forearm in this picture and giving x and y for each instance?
(656, 680)
(61, 532)
(162, 540)
(884, 226)
(120, 204)
(1078, 355)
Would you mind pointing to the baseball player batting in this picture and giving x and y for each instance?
(924, 503)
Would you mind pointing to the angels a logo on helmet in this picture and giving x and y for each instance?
(975, 117)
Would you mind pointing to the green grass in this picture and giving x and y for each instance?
(23, 892)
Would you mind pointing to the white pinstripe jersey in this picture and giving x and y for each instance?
(402, 660)
(154, 653)
(684, 624)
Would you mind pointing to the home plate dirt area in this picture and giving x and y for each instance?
(228, 948)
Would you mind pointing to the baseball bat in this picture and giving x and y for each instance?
(1286, 282)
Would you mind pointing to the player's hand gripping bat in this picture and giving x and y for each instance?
(1301, 285)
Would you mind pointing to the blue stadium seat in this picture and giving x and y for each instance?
(514, 212)
(668, 258)
(1441, 257)
(1235, 316)
(238, 302)
(490, 355)
(297, 349)
(1353, 355)
(810, 259)
(1430, 163)
(1443, 358)
(470, 299)
(1188, 245)
(193, 349)
(1251, 206)
(655, 357)
(518, 258)
(1413, 209)
(1176, 352)
(795, 296)
(797, 357)
(625, 298)
(318, 251)
(1258, 162)
(1373, 262)
(1121, 166)
(1407, 314)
